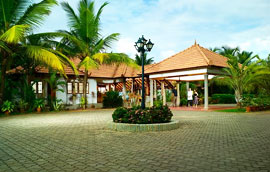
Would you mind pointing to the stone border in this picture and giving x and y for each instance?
(174, 124)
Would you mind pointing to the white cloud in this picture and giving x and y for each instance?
(174, 25)
(126, 45)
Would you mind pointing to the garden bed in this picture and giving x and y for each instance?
(174, 124)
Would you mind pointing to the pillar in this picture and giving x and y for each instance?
(206, 91)
(155, 89)
(132, 86)
(151, 93)
(124, 89)
(163, 92)
(187, 84)
(178, 94)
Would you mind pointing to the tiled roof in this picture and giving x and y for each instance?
(103, 71)
(193, 57)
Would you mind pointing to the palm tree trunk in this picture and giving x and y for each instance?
(85, 87)
(238, 98)
(3, 77)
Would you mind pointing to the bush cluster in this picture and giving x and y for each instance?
(112, 99)
(222, 99)
(136, 115)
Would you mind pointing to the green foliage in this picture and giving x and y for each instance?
(168, 95)
(82, 102)
(183, 102)
(137, 115)
(57, 104)
(138, 60)
(158, 103)
(112, 99)
(255, 101)
(232, 110)
(7, 106)
(223, 99)
(22, 104)
(39, 103)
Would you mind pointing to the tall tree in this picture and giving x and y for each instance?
(84, 40)
(147, 61)
(244, 55)
(18, 18)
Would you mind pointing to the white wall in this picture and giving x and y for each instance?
(62, 95)
(66, 98)
(92, 96)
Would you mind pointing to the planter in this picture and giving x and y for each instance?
(7, 112)
(38, 109)
(174, 124)
(248, 109)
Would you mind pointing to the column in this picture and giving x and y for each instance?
(155, 89)
(163, 92)
(206, 91)
(124, 89)
(187, 84)
(151, 93)
(178, 94)
(132, 86)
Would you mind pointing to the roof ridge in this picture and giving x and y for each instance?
(170, 57)
(202, 53)
(214, 52)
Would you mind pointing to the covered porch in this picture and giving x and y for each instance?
(193, 64)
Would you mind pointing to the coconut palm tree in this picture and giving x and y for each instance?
(138, 60)
(84, 40)
(18, 18)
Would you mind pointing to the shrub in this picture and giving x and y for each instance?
(136, 115)
(223, 99)
(7, 106)
(183, 102)
(112, 99)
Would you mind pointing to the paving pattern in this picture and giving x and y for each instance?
(79, 141)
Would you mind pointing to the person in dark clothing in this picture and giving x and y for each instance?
(174, 91)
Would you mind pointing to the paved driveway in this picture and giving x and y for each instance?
(78, 141)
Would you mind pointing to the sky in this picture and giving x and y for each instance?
(174, 25)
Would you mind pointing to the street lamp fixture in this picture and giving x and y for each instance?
(142, 46)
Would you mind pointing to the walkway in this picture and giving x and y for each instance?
(211, 107)
(206, 141)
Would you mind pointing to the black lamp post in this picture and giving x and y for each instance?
(142, 45)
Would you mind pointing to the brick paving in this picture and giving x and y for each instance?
(79, 141)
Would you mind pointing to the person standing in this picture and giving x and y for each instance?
(190, 97)
(196, 98)
(174, 91)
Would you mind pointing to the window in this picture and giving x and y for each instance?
(77, 87)
(69, 88)
(81, 88)
(37, 87)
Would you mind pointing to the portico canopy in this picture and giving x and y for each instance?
(193, 64)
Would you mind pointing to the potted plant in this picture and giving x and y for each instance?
(39, 103)
(7, 107)
(22, 105)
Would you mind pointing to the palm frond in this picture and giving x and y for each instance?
(73, 19)
(36, 13)
(15, 34)
(4, 47)
(45, 57)
(110, 39)
(88, 63)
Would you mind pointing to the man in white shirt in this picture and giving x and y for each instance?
(190, 97)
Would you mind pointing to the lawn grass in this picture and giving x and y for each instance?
(232, 110)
